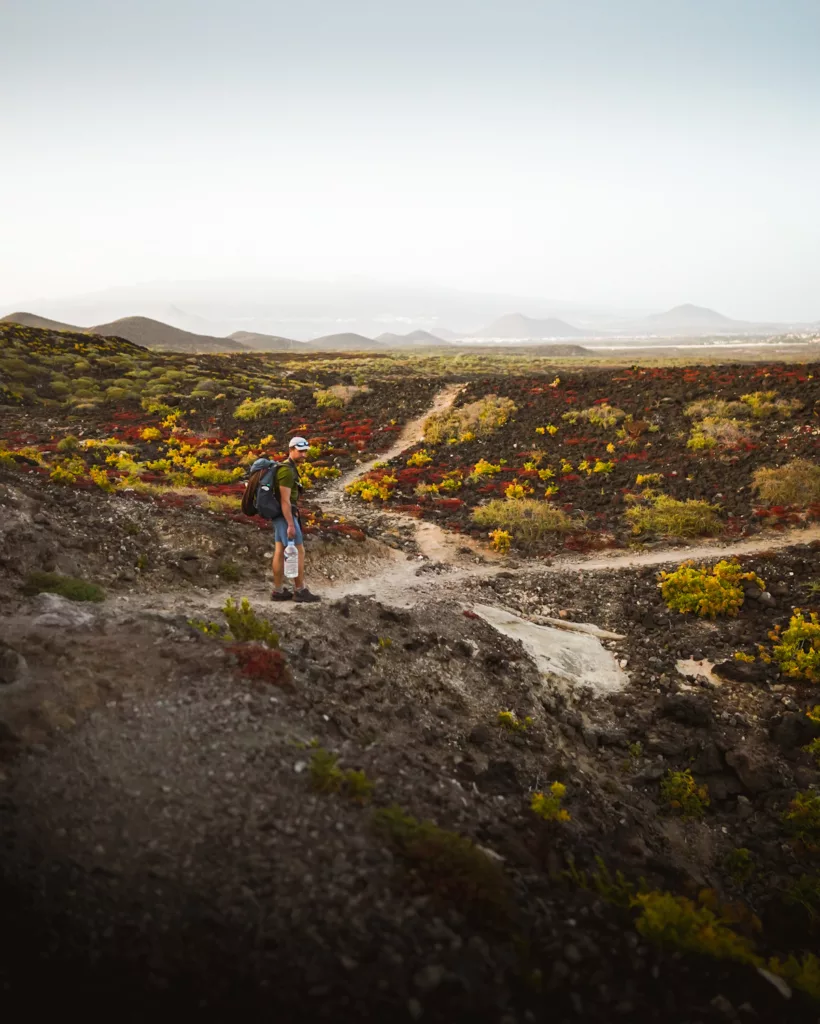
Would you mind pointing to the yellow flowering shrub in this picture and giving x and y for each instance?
(547, 806)
(706, 592)
(797, 648)
(369, 489)
(420, 458)
(501, 541)
(684, 795)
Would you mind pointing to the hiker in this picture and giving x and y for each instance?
(287, 528)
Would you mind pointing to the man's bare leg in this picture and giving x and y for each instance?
(279, 565)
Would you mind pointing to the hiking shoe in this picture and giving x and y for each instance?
(282, 595)
(305, 596)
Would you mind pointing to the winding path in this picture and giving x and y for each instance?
(449, 562)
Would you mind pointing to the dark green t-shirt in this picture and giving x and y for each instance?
(288, 476)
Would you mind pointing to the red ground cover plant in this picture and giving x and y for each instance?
(650, 442)
(262, 664)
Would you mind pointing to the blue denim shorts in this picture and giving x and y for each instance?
(280, 530)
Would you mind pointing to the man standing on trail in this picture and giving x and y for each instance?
(287, 528)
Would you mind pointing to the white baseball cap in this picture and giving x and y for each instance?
(298, 442)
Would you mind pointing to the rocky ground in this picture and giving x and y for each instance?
(204, 826)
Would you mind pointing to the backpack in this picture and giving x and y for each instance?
(261, 497)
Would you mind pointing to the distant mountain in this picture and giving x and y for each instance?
(414, 338)
(689, 316)
(154, 334)
(268, 342)
(32, 320)
(344, 342)
(446, 334)
(517, 327)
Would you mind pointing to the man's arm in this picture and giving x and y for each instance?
(287, 510)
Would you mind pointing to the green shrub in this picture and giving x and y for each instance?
(802, 972)
(796, 483)
(739, 865)
(245, 625)
(229, 571)
(66, 586)
(672, 518)
(527, 520)
(448, 864)
(603, 415)
(763, 404)
(327, 400)
(256, 408)
(327, 777)
(711, 432)
(802, 818)
(805, 893)
(678, 923)
(715, 408)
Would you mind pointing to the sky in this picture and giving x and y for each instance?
(631, 153)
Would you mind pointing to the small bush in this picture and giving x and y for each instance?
(327, 400)
(715, 408)
(208, 474)
(797, 648)
(739, 865)
(547, 806)
(229, 571)
(711, 432)
(256, 408)
(805, 893)
(448, 864)
(603, 415)
(615, 889)
(262, 663)
(802, 818)
(803, 972)
(245, 625)
(672, 518)
(500, 541)
(512, 723)
(66, 586)
(763, 404)
(69, 443)
(371, 488)
(327, 777)
(678, 923)
(796, 483)
(517, 490)
(684, 795)
(527, 520)
(100, 477)
(420, 458)
(813, 749)
(325, 773)
(478, 419)
(706, 592)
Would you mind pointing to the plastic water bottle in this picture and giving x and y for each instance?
(291, 561)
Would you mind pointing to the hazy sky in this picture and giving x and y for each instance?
(634, 152)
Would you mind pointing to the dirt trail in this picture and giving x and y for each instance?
(412, 433)
(447, 562)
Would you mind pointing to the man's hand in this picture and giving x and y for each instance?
(291, 532)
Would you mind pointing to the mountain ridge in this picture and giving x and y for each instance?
(518, 327)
